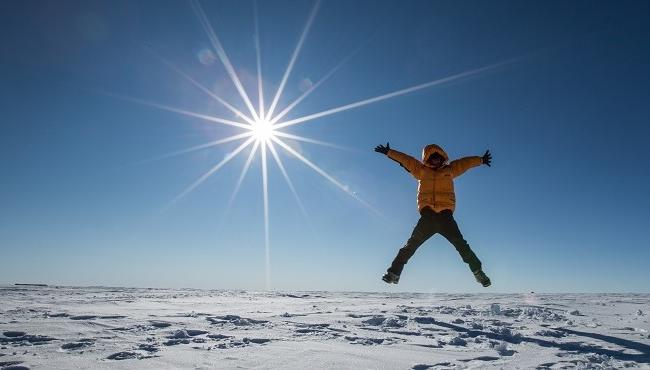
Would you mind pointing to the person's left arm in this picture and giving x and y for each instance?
(459, 166)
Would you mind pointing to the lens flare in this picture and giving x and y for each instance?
(206, 57)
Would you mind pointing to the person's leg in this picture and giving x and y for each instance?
(449, 229)
(423, 230)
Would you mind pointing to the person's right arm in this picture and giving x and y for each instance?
(409, 163)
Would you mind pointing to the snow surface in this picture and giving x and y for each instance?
(99, 327)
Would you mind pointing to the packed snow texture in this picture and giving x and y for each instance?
(97, 327)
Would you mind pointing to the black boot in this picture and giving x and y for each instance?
(482, 278)
(390, 278)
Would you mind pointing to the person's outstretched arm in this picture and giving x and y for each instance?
(409, 163)
(459, 166)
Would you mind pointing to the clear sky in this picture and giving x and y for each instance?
(563, 208)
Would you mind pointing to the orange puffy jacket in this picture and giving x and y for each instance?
(435, 187)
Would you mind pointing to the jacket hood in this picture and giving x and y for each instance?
(433, 148)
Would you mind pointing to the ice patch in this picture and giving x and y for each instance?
(26, 339)
(457, 341)
(195, 332)
(160, 324)
(6, 364)
(439, 364)
(122, 356)
(62, 314)
(295, 295)
(234, 343)
(185, 337)
(370, 341)
(148, 347)
(235, 320)
(256, 340)
(481, 358)
(550, 333)
(218, 336)
(424, 320)
(13, 334)
(80, 344)
(15, 367)
(358, 316)
(375, 321)
(174, 342)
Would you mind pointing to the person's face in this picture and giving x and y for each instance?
(435, 160)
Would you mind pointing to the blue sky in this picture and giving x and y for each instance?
(563, 208)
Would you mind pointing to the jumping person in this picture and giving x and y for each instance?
(436, 203)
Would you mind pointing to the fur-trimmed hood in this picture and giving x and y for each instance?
(433, 148)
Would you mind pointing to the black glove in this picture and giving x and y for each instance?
(382, 149)
(487, 158)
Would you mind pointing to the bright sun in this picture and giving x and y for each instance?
(263, 130)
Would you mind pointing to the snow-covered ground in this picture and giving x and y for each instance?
(97, 327)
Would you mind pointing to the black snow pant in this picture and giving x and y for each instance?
(429, 224)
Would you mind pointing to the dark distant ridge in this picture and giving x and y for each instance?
(20, 284)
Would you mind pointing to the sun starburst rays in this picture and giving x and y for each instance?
(212, 170)
(258, 60)
(294, 57)
(265, 191)
(263, 129)
(200, 86)
(221, 53)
